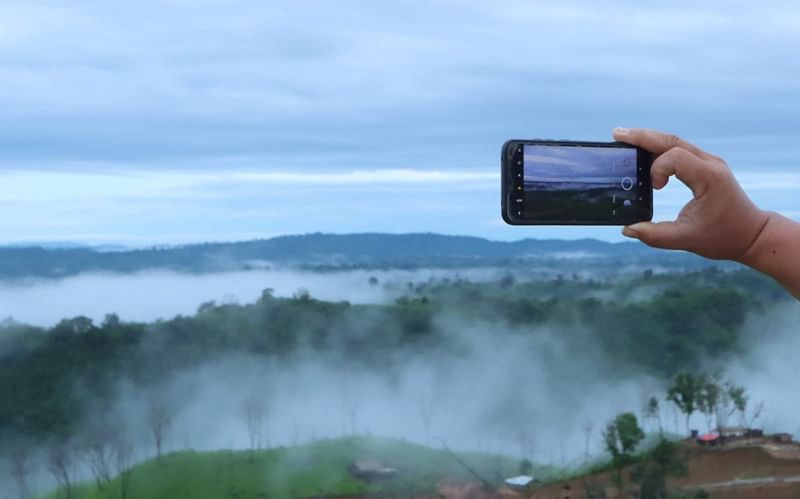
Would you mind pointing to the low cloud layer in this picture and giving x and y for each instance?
(152, 295)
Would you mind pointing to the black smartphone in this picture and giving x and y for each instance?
(563, 182)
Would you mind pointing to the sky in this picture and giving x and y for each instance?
(168, 122)
(578, 164)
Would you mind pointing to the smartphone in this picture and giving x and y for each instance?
(564, 182)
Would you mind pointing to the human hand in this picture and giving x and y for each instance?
(719, 222)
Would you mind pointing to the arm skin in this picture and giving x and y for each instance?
(776, 252)
(720, 221)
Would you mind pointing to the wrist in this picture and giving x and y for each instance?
(760, 244)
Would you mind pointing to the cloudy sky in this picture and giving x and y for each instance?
(186, 120)
(578, 164)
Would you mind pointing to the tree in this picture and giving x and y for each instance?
(588, 428)
(60, 463)
(427, 411)
(21, 466)
(664, 460)
(621, 436)
(76, 326)
(97, 453)
(159, 419)
(709, 397)
(739, 399)
(684, 393)
(752, 415)
(253, 413)
(123, 458)
(652, 410)
(731, 396)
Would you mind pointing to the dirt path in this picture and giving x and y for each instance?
(748, 482)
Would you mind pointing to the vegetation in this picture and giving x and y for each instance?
(621, 437)
(42, 369)
(316, 469)
(665, 459)
(672, 326)
(709, 394)
(330, 252)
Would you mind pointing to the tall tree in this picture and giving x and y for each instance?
(159, 419)
(684, 393)
(21, 466)
(588, 428)
(710, 397)
(123, 459)
(60, 463)
(253, 412)
(621, 436)
(652, 410)
(97, 452)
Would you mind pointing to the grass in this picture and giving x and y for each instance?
(315, 469)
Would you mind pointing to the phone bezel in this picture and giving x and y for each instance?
(644, 160)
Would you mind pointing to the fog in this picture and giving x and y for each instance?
(152, 295)
(527, 392)
(769, 366)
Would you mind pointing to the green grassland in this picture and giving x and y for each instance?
(316, 469)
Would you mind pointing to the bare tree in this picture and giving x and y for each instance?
(60, 464)
(752, 416)
(730, 397)
(253, 412)
(588, 428)
(427, 411)
(652, 410)
(159, 419)
(123, 459)
(97, 452)
(353, 414)
(350, 401)
(21, 467)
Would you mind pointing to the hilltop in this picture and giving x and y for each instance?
(762, 468)
(331, 251)
(324, 469)
(317, 469)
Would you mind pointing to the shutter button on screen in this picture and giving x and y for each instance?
(627, 183)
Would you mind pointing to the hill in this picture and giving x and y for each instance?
(754, 469)
(313, 470)
(329, 251)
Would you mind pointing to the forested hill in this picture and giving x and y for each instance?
(327, 251)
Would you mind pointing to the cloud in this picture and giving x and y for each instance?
(381, 85)
(295, 94)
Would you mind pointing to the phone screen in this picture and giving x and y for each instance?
(575, 183)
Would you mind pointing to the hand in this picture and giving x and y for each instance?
(719, 222)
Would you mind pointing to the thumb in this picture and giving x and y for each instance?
(666, 235)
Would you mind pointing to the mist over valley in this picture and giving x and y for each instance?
(527, 361)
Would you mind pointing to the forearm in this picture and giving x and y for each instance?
(776, 252)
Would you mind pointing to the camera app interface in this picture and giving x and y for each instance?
(573, 183)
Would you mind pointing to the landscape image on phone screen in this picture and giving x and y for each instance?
(579, 183)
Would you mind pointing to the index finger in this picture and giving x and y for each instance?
(656, 142)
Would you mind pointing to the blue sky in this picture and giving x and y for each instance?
(177, 121)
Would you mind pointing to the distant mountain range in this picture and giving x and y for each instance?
(332, 252)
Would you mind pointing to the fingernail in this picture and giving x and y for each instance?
(628, 232)
(621, 130)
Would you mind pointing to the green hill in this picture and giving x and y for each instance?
(315, 469)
